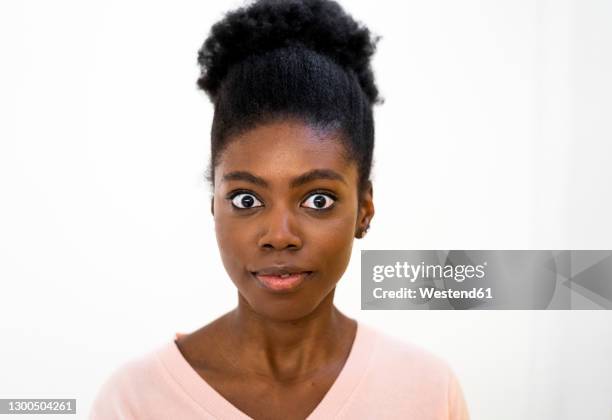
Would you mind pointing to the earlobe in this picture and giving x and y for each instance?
(362, 231)
(367, 212)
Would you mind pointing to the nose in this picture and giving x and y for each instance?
(280, 231)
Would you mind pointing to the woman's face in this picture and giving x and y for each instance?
(285, 199)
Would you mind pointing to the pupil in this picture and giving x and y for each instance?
(319, 201)
(247, 201)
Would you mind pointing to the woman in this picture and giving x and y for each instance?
(291, 152)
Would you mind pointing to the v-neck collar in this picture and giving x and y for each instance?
(212, 401)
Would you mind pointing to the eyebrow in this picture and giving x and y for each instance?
(305, 178)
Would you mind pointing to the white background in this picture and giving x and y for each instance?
(495, 134)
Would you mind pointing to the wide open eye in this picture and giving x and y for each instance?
(319, 201)
(245, 201)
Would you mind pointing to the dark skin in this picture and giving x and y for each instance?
(276, 355)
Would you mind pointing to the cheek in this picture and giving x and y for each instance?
(333, 242)
(231, 240)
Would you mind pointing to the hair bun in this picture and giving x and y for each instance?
(320, 25)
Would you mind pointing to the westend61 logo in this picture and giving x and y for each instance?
(486, 279)
(413, 272)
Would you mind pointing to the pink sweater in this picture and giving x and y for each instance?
(383, 378)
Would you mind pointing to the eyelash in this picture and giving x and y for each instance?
(235, 193)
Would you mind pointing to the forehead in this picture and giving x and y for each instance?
(283, 149)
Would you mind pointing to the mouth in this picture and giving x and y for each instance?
(281, 281)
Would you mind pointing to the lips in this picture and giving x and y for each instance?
(278, 270)
(281, 278)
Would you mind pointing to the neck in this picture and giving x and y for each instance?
(288, 349)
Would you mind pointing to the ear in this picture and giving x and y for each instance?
(212, 205)
(365, 212)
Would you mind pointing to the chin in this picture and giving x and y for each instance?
(283, 307)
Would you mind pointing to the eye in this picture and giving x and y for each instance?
(245, 201)
(320, 201)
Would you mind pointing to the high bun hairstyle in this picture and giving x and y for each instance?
(303, 59)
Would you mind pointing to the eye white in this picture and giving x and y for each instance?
(328, 201)
(237, 201)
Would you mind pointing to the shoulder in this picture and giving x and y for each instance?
(400, 355)
(124, 389)
(410, 375)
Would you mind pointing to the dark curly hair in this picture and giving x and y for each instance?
(304, 59)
